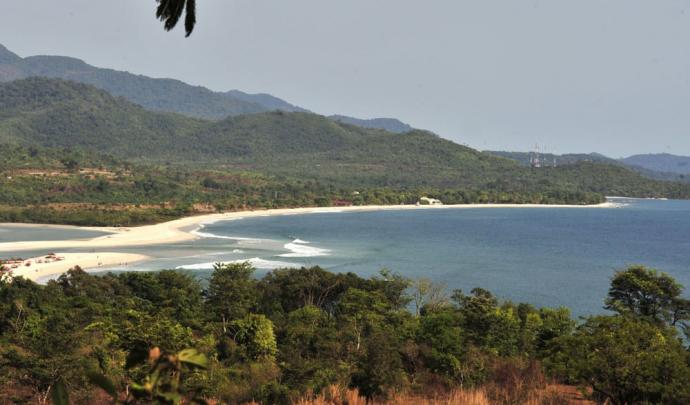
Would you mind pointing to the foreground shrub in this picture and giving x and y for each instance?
(625, 361)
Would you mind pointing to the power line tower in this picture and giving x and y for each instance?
(535, 158)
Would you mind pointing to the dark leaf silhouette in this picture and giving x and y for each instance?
(170, 12)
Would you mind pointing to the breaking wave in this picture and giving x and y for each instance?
(300, 248)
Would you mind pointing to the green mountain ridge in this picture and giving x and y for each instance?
(61, 114)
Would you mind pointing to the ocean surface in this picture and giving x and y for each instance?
(544, 256)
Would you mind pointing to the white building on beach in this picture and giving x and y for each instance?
(429, 201)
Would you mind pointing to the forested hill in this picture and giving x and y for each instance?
(60, 114)
(64, 114)
(56, 113)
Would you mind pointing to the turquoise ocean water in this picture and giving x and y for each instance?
(545, 256)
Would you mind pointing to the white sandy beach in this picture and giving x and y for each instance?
(178, 231)
(36, 271)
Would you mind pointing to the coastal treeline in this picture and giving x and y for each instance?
(66, 186)
(297, 334)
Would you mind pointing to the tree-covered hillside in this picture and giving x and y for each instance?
(59, 114)
(56, 113)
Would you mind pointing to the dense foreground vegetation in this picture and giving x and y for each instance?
(295, 333)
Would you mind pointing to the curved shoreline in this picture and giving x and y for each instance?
(181, 230)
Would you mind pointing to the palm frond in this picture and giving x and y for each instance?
(170, 12)
(190, 18)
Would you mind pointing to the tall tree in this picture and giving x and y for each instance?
(254, 333)
(231, 292)
(428, 295)
(647, 293)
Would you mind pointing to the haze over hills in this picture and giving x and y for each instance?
(167, 95)
(663, 162)
(155, 94)
(267, 101)
(83, 118)
(388, 124)
(276, 104)
(61, 114)
(6, 56)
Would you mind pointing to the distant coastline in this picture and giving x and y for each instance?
(180, 230)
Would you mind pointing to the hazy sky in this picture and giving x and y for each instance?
(609, 76)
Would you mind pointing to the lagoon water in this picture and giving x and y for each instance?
(20, 232)
(545, 256)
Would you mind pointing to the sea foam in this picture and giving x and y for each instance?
(214, 236)
(299, 248)
(257, 262)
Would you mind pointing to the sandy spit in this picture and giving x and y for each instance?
(37, 268)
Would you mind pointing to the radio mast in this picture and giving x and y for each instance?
(534, 158)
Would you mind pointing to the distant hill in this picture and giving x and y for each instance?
(388, 124)
(267, 101)
(7, 57)
(154, 94)
(167, 95)
(549, 159)
(8, 70)
(662, 162)
(61, 114)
